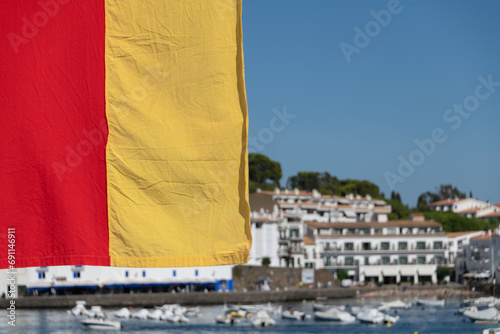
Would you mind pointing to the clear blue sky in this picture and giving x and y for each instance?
(355, 119)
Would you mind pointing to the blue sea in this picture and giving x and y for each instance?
(421, 320)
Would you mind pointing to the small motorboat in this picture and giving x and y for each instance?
(226, 320)
(374, 316)
(79, 309)
(325, 307)
(95, 312)
(101, 324)
(295, 315)
(464, 309)
(334, 314)
(123, 313)
(426, 302)
(155, 314)
(141, 315)
(396, 304)
(489, 314)
(192, 312)
(262, 319)
(175, 317)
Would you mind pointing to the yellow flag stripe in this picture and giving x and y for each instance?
(177, 166)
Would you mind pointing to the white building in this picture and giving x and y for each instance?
(67, 279)
(383, 252)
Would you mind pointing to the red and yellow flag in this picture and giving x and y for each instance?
(123, 133)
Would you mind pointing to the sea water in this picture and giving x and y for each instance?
(423, 320)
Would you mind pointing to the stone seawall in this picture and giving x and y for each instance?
(199, 298)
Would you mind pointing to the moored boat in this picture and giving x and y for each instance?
(427, 302)
(262, 319)
(334, 314)
(101, 324)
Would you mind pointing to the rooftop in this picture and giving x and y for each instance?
(390, 223)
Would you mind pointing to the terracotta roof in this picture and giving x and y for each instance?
(390, 223)
(498, 204)
(459, 234)
(469, 211)
(446, 202)
(261, 201)
(263, 220)
(485, 236)
(298, 204)
(309, 241)
(493, 214)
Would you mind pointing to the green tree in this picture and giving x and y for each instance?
(261, 170)
(449, 191)
(442, 272)
(425, 199)
(341, 274)
(453, 222)
(266, 261)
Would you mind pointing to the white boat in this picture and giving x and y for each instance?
(79, 309)
(493, 330)
(370, 316)
(426, 302)
(464, 309)
(155, 314)
(123, 313)
(101, 324)
(227, 320)
(262, 319)
(172, 316)
(295, 315)
(142, 314)
(95, 312)
(325, 307)
(396, 304)
(192, 311)
(374, 316)
(489, 314)
(262, 307)
(334, 314)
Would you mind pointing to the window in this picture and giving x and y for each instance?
(421, 245)
(76, 274)
(174, 273)
(438, 244)
(126, 273)
(392, 231)
(349, 246)
(196, 272)
(421, 260)
(366, 246)
(385, 260)
(378, 231)
(41, 275)
(144, 273)
(384, 246)
(258, 225)
(327, 246)
(440, 260)
(403, 245)
(403, 260)
(367, 260)
(349, 261)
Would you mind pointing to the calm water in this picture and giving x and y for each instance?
(422, 320)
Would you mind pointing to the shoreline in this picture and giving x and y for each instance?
(238, 297)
